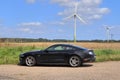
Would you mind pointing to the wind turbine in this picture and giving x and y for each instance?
(108, 32)
(75, 16)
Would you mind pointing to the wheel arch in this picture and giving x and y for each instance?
(80, 59)
(32, 56)
(74, 55)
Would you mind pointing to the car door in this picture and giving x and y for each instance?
(55, 54)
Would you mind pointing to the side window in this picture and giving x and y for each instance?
(69, 48)
(59, 48)
(55, 48)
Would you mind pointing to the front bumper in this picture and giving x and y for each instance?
(21, 59)
(90, 59)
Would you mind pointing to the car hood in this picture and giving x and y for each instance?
(35, 51)
(32, 52)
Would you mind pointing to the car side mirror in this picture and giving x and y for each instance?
(46, 51)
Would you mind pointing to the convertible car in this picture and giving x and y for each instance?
(58, 54)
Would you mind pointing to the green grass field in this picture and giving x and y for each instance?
(107, 55)
(10, 55)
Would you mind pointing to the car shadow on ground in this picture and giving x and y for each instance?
(86, 65)
(53, 65)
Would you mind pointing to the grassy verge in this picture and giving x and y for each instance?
(10, 55)
(107, 55)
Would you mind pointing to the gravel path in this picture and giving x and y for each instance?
(90, 71)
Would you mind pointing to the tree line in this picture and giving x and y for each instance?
(20, 40)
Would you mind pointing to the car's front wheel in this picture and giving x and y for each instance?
(75, 61)
(30, 61)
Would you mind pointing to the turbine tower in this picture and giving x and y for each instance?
(75, 16)
(108, 32)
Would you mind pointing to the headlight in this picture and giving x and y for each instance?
(90, 53)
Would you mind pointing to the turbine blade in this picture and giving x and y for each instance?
(76, 7)
(111, 27)
(69, 17)
(83, 21)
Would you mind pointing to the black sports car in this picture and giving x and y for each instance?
(57, 54)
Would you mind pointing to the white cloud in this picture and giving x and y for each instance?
(33, 31)
(104, 10)
(31, 24)
(95, 17)
(66, 3)
(91, 2)
(70, 3)
(28, 30)
(30, 1)
(29, 27)
(57, 23)
(88, 9)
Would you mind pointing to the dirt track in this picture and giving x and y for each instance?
(90, 71)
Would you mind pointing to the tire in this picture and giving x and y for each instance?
(30, 61)
(75, 61)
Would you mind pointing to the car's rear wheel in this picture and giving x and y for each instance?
(75, 61)
(30, 61)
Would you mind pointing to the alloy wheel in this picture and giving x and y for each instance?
(74, 61)
(30, 61)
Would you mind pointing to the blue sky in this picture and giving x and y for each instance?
(44, 19)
